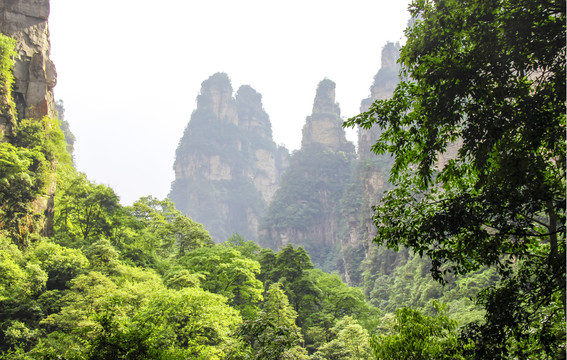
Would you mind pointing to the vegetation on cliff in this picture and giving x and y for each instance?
(497, 88)
(7, 105)
(306, 202)
(83, 277)
(227, 165)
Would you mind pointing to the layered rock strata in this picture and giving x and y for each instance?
(324, 126)
(34, 72)
(227, 166)
(26, 21)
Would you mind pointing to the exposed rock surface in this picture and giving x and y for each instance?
(385, 82)
(34, 72)
(306, 209)
(227, 166)
(324, 126)
(370, 174)
(34, 76)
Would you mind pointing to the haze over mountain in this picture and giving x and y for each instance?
(227, 166)
(281, 50)
(232, 177)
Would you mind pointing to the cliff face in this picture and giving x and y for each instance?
(385, 82)
(324, 126)
(227, 167)
(34, 73)
(306, 208)
(370, 174)
(26, 21)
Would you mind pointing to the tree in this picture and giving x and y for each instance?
(247, 248)
(27, 163)
(86, 211)
(350, 342)
(414, 336)
(60, 263)
(225, 271)
(483, 84)
(161, 231)
(189, 235)
(273, 334)
(290, 267)
(23, 178)
(133, 316)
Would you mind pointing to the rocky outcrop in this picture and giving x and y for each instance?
(370, 175)
(227, 166)
(34, 73)
(385, 82)
(324, 126)
(306, 208)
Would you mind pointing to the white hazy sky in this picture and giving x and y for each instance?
(129, 71)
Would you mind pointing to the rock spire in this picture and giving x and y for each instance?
(324, 126)
(227, 167)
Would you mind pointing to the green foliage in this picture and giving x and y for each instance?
(23, 177)
(225, 271)
(393, 280)
(7, 105)
(248, 248)
(60, 263)
(488, 79)
(525, 303)
(320, 299)
(350, 341)
(86, 211)
(190, 323)
(103, 318)
(328, 301)
(273, 333)
(153, 231)
(412, 335)
(27, 168)
(289, 267)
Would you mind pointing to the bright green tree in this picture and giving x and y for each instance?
(350, 342)
(223, 270)
(289, 267)
(27, 162)
(7, 55)
(153, 226)
(247, 248)
(414, 336)
(23, 177)
(273, 334)
(60, 263)
(189, 235)
(483, 82)
(131, 315)
(21, 282)
(157, 230)
(86, 211)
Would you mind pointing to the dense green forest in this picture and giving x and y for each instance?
(468, 260)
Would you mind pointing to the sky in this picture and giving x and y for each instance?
(129, 71)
